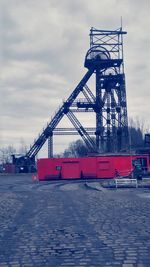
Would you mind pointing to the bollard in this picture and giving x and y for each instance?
(34, 178)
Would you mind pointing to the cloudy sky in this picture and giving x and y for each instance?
(42, 50)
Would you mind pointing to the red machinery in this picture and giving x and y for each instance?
(106, 166)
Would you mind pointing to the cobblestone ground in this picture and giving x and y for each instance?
(57, 224)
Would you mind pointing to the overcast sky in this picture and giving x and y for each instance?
(42, 50)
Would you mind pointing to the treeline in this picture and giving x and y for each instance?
(7, 152)
(136, 136)
(78, 148)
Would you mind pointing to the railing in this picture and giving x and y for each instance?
(123, 182)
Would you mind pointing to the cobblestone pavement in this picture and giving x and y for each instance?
(55, 224)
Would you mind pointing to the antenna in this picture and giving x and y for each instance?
(121, 22)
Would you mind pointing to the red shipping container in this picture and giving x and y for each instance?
(107, 166)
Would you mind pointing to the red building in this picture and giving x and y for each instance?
(106, 166)
(8, 168)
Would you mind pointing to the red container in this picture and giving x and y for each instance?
(106, 166)
(9, 168)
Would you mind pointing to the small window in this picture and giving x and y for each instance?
(58, 168)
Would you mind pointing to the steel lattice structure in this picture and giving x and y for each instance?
(106, 55)
(104, 60)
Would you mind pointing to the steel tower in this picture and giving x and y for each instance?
(105, 56)
(104, 60)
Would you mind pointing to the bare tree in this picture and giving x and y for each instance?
(76, 149)
(6, 154)
(136, 132)
(23, 147)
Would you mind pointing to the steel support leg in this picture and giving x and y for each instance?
(98, 112)
(50, 146)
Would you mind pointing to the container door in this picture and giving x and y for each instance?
(70, 170)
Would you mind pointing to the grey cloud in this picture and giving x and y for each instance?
(44, 45)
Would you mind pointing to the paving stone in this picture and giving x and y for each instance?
(50, 227)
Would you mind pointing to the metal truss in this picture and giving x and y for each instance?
(83, 133)
(64, 109)
(73, 131)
